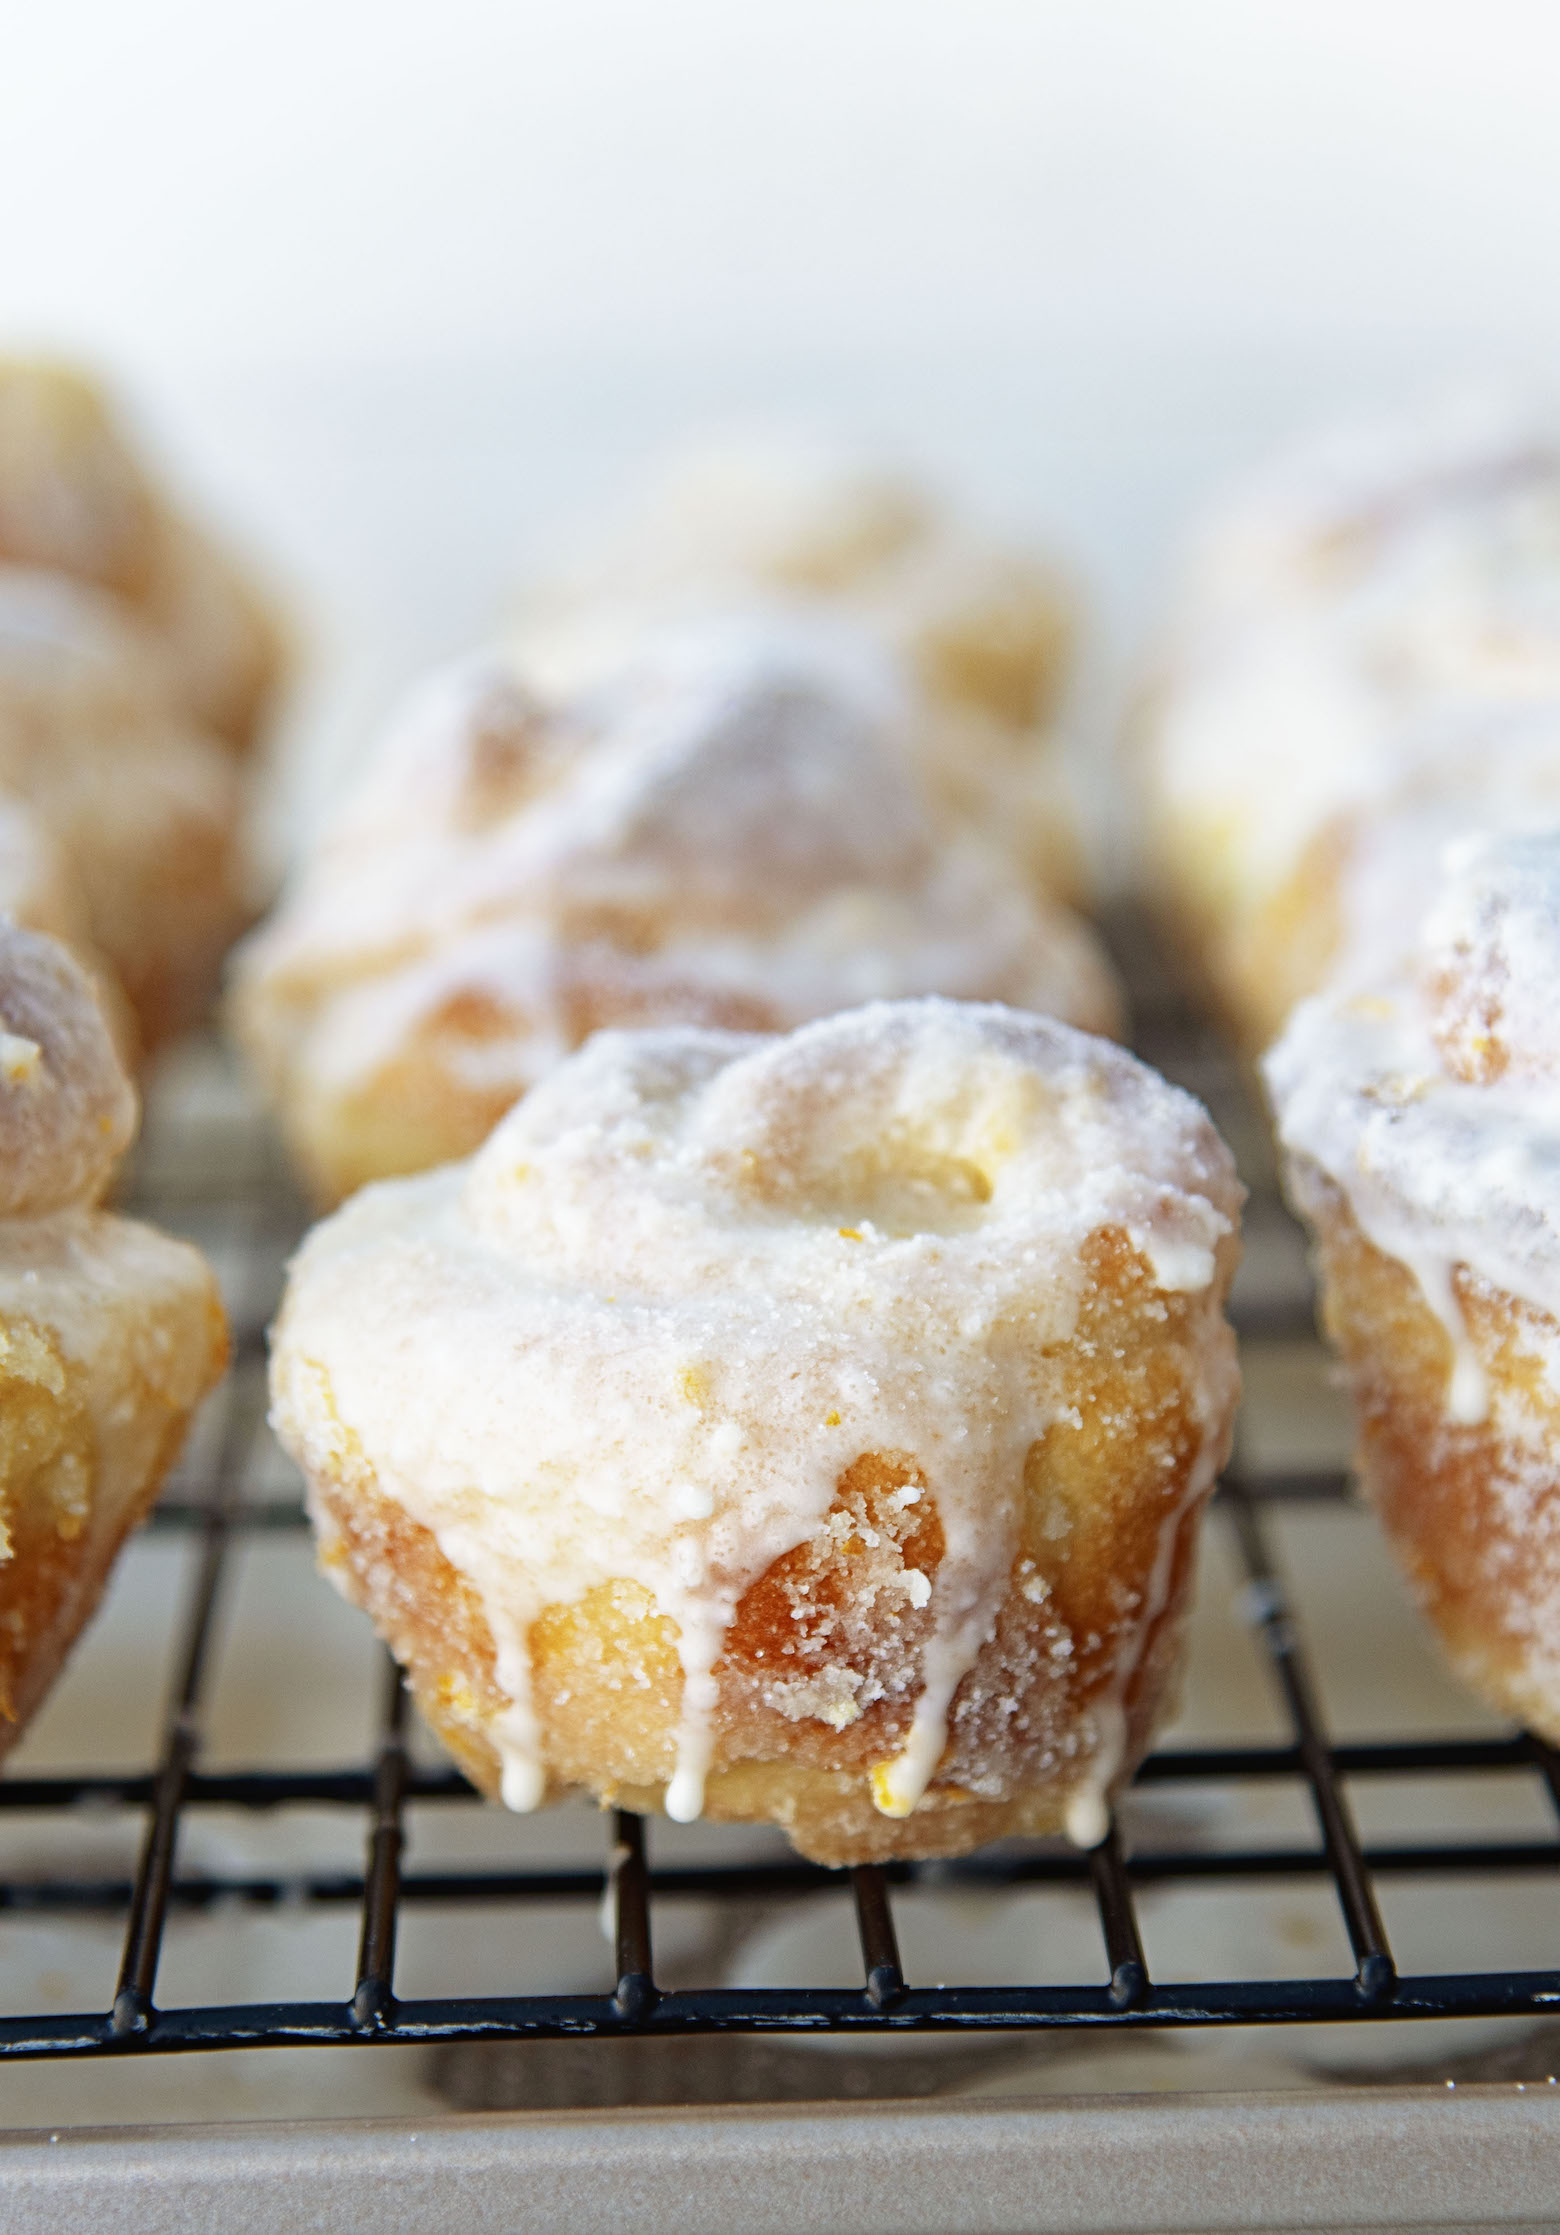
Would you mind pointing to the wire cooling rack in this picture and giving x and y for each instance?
(231, 1176)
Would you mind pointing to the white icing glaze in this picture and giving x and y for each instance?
(733, 813)
(801, 523)
(1496, 770)
(1371, 579)
(1431, 541)
(1401, 1085)
(695, 1275)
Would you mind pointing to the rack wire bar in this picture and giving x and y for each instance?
(1129, 1981)
(879, 1941)
(263, 1789)
(794, 2010)
(782, 1881)
(636, 1994)
(373, 2002)
(149, 1899)
(1375, 1973)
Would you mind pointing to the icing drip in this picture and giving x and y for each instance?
(1430, 1094)
(729, 829)
(641, 1337)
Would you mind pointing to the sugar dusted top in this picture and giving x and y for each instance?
(733, 812)
(1371, 578)
(695, 1275)
(1430, 1094)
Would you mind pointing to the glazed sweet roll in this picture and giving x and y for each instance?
(809, 1429)
(981, 629)
(143, 808)
(726, 833)
(36, 887)
(1419, 1111)
(76, 499)
(1359, 887)
(1333, 618)
(110, 1334)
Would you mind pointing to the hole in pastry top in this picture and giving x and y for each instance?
(901, 1119)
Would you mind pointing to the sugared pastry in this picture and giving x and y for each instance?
(1359, 887)
(143, 807)
(1420, 1116)
(983, 624)
(726, 833)
(76, 499)
(36, 886)
(809, 1429)
(110, 1334)
(1432, 539)
(1332, 617)
(982, 629)
(39, 890)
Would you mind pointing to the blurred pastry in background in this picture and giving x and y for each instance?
(110, 1334)
(40, 891)
(142, 807)
(1362, 882)
(984, 629)
(728, 831)
(77, 499)
(37, 889)
(1332, 618)
(1418, 1107)
(808, 1429)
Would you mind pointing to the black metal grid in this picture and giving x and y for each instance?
(206, 1501)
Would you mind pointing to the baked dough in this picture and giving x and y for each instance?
(1418, 1111)
(982, 631)
(809, 1429)
(36, 886)
(1333, 619)
(77, 500)
(725, 833)
(1360, 886)
(110, 1334)
(143, 808)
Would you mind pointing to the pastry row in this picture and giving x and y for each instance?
(1352, 744)
(800, 1404)
(781, 1368)
(138, 665)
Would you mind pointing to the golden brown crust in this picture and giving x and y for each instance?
(1473, 1516)
(75, 499)
(72, 1491)
(144, 809)
(428, 1103)
(1254, 966)
(820, 1671)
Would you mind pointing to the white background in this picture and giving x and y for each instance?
(404, 288)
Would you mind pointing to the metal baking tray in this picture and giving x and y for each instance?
(205, 1885)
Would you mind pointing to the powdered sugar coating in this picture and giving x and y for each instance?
(791, 520)
(35, 885)
(1373, 576)
(67, 1111)
(1495, 771)
(727, 831)
(1430, 1095)
(695, 1275)
(1492, 951)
